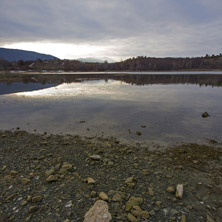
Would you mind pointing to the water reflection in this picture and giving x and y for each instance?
(113, 107)
(134, 79)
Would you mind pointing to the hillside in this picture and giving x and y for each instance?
(12, 55)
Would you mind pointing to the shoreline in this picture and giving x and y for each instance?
(123, 172)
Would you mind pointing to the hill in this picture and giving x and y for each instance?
(14, 55)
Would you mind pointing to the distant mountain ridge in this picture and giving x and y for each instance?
(14, 55)
(96, 60)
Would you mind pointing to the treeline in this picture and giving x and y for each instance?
(140, 63)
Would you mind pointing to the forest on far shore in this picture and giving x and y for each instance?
(140, 63)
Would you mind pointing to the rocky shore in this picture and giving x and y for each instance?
(59, 178)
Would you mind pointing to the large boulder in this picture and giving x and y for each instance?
(99, 212)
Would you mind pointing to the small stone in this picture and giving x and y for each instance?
(63, 171)
(174, 212)
(93, 194)
(110, 163)
(52, 178)
(67, 166)
(99, 212)
(49, 172)
(95, 157)
(36, 199)
(13, 173)
(11, 196)
(209, 218)
(129, 180)
(25, 181)
(131, 218)
(24, 202)
(33, 209)
(158, 203)
(90, 180)
(103, 196)
(136, 210)
(69, 204)
(133, 201)
(179, 191)
(183, 218)
(205, 115)
(170, 190)
(150, 191)
(138, 133)
(117, 198)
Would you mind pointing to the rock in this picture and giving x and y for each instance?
(11, 196)
(93, 194)
(49, 172)
(68, 204)
(67, 166)
(117, 198)
(63, 171)
(158, 203)
(183, 218)
(99, 212)
(129, 180)
(179, 191)
(103, 196)
(4, 167)
(170, 190)
(133, 201)
(25, 181)
(138, 133)
(95, 157)
(13, 173)
(33, 209)
(138, 212)
(205, 115)
(174, 212)
(150, 191)
(131, 218)
(90, 180)
(52, 178)
(209, 218)
(110, 163)
(36, 199)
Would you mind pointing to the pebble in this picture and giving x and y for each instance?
(170, 190)
(25, 181)
(131, 218)
(13, 173)
(117, 198)
(33, 209)
(49, 172)
(67, 166)
(95, 157)
(90, 180)
(103, 196)
(36, 199)
(68, 204)
(179, 191)
(183, 218)
(133, 201)
(52, 178)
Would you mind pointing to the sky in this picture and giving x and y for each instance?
(117, 29)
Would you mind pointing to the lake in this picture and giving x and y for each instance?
(164, 107)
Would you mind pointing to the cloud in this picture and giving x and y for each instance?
(129, 27)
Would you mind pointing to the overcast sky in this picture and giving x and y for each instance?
(112, 28)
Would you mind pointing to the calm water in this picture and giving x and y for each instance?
(170, 106)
